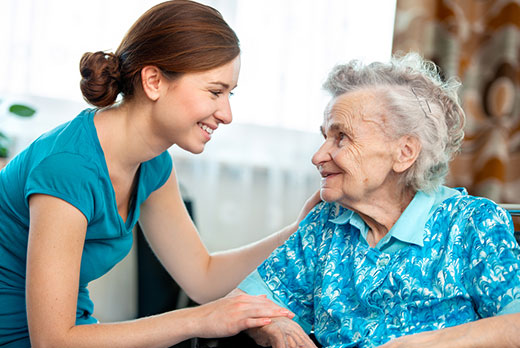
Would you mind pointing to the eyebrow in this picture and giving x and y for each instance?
(336, 127)
(224, 85)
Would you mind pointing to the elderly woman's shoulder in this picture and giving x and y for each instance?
(476, 217)
(470, 205)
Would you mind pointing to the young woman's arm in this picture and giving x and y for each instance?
(176, 242)
(56, 240)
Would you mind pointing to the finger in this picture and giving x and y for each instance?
(250, 323)
(308, 342)
(282, 310)
(292, 342)
(298, 341)
(267, 308)
(279, 341)
(276, 313)
(298, 338)
(271, 312)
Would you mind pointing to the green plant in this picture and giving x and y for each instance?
(18, 110)
(4, 145)
(22, 110)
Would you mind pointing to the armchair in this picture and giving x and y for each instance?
(514, 210)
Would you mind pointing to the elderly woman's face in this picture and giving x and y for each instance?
(356, 159)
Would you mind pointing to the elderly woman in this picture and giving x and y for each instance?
(392, 257)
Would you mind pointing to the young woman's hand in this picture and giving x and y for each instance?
(307, 207)
(230, 315)
(281, 333)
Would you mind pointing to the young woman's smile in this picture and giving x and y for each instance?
(206, 130)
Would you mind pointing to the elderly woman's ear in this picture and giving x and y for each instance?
(407, 151)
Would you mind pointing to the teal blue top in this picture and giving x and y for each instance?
(449, 259)
(67, 162)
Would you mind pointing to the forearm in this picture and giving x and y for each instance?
(155, 331)
(224, 317)
(227, 269)
(500, 331)
(175, 241)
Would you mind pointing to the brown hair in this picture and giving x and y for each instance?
(177, 36)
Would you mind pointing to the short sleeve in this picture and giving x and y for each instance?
(493, 271)
(290, 271)
(157, 171)
(67, 176)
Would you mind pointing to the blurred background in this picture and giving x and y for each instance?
(256, 173)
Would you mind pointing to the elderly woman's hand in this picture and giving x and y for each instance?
(281, 333)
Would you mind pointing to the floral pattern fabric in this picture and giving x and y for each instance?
(357, 296)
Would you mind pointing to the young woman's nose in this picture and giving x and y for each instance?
(223, 114)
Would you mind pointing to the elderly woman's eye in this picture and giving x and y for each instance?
(342, 136)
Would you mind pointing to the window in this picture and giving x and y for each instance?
(288, 46)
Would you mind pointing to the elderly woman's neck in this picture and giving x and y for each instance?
(381, 213)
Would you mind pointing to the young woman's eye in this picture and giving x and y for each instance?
(216, 93)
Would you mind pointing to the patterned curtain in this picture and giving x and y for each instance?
(478, 41)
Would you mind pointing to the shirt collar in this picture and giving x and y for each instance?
(409, 228)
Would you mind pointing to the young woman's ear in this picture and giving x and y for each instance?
(407, 151)
(151, 80)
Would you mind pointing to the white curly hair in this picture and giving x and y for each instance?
(419, 104)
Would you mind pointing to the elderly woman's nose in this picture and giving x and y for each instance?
(322, 155)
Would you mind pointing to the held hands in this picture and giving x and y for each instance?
(230, 315)
(281, 333)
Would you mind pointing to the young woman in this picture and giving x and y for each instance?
(68, 202)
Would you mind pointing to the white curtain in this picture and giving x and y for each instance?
(288, 46)
(255, 173)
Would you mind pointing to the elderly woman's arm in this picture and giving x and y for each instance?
(499, 332)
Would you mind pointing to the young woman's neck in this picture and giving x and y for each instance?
(124, 135)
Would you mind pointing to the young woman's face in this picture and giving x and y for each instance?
(194, 105)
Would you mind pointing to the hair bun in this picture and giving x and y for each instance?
(100, 76)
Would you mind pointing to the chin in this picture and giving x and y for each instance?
(327, 195)
(193, 149)
(197, 151)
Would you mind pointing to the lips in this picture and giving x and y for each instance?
(206, 128)
(326, 173)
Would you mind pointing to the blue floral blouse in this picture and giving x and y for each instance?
(450, 259)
